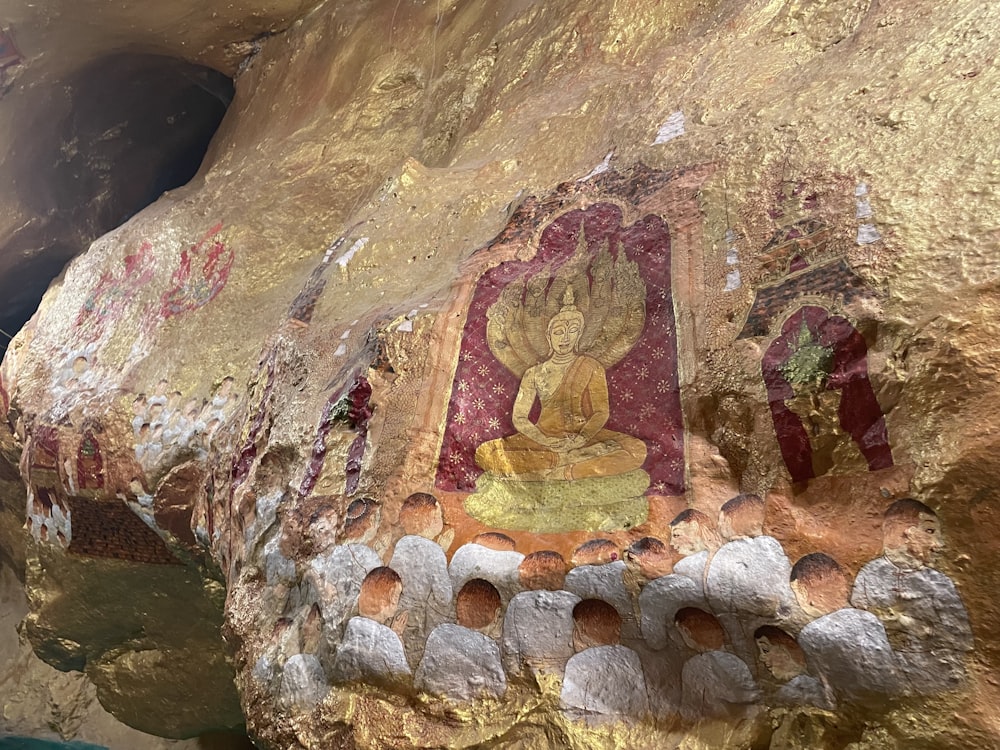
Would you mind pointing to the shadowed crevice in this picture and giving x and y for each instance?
(107, 142)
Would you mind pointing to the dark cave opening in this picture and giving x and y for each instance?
(108, 142)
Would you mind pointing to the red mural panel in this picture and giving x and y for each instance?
(350, 407)
(89, 463)
(4, 400)
(43, 468)
(844, 369)
(642, 387)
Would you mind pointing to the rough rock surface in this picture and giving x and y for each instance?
(39, 701)
(628, 288)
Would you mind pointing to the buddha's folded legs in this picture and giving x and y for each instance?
(619, 454)
(609, 454)
(515, 455)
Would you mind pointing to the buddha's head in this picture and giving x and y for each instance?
(911, 534)
(780, 654)
(820, 585)
(743, 516)
(380, 592)
(565, 328)
(421, 515)
(542, 570)
(692, 532)
(478, 605)
(649, 557)
(595, 623)
(699, 630)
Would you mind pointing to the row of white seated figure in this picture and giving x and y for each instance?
(730, 627)
(161, 424)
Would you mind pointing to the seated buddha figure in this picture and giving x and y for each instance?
(569, 441)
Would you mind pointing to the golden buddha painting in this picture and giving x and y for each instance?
(567, 362)
(569, 440)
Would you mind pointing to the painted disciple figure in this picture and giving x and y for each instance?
(659, 595)
(538, 626)
(694, 536)
(462, 662)
(334, 579)
(749, 573)
(846, 648)
(371, 650)
(47, 518)
(746, 580)
(782, 656)
(569, 440)
(427, 590)
(714, 682)
(491, 556)
(919, 606)
(599, 574)
(303, 682)
(361, 522)
(604, 680)
(648, 559)
(659, 601)
(290, 656)
(284, 642)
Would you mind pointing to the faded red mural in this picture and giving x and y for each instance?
(104, 306)
(200, 276)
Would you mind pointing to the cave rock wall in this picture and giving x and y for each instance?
(533, 375)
